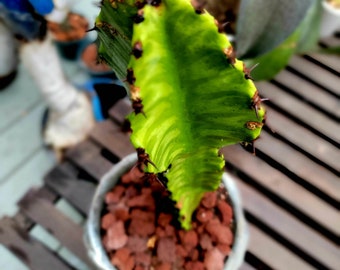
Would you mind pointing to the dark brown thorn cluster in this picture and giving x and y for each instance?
(137, 50)
(247, 71)
(231, 55)
(143, 159)
(256, 103)
(94, 28)
(137, 106)
(154, 3)
(198, 6)
(139, 17)
(140, 4)
(130, 77)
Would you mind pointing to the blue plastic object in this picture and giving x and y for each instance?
(42, 7)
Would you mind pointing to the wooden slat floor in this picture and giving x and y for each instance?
(290, 188)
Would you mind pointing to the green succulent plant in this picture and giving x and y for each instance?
(190, 95)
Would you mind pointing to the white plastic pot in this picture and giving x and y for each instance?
(93, 239)
(330, 22)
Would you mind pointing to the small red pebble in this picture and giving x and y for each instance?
(164, 266)
(143, 201)
(122, 214)
(224, 248)
(137, 244)
(196, 265)
(204, 215)
(107, 221)
(141, 227)
(209, 199)
(189, 239)
(170, 231)
(164, 219)
(115, 195)
(143, 259)
(194, 254)
(226, 212)
(116, 236)
(214, 260)
(181, 251)
(123, 260)
(219, 233)
(166, 250)
(205, 242)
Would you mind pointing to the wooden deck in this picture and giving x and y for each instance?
(290, 189)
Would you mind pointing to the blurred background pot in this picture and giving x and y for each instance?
(70, 35)
(330, 22)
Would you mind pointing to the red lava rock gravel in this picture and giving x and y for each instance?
(141, 232)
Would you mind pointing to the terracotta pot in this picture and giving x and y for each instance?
(330, 22)
(70, 35)
(93, 239)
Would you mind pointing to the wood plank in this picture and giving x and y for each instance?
(64, 229)
(310, 92)
(87, 156)
(31, 252)
(246, 266)
(316, 73)
(279, 184)
(308, 240)
(120, 110)
(272, 253)
(300, 165)
(303, 138)
(300, 110)
(110, 136)
(330, 60)
(77, 192)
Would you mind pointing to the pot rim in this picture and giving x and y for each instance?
(92, 229)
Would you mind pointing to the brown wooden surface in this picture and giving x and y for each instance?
(290, 189)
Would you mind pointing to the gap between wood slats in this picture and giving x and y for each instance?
(110, 136)
(316, 74)
(77, 192)
(272, 253)
(64, 229)
(279, 220)
(280, 185)
(31, 252)
(306, 114)
(330, 62)
(246, 266)
(87, 156)
(303, 138)
(292, 162)
(309, 93)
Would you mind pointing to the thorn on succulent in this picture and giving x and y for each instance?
(230, 54)
(221, 26)
(256, 102)
(137, 106)
(130, 77)
(199, 6)
(137, 50)
(143, 159)
(139, 17)
(154, 3)
(247, 71)
(94, 28)
(140, 4)
(252, 125)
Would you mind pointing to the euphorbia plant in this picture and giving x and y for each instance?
(190, 95)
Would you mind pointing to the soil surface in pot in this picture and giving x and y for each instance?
(140, 228)
(90, 59)
(72, 29)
